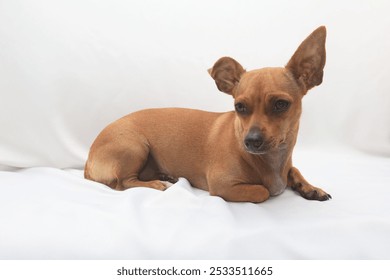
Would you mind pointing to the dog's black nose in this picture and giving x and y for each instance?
(254, 140)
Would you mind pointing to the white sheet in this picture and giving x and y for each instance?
(48, 213)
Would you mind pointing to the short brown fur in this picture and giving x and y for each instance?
(244, 155)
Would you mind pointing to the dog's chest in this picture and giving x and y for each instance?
(275, 183)
(270, 172)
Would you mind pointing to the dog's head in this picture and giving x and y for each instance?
(268, 101)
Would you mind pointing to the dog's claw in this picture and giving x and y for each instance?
(324, 197)
(312, 193)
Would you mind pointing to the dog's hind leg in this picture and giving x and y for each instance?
(122, 166)
(138, 169)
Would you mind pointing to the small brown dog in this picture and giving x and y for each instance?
(240, 156)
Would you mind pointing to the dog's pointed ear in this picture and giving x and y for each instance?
(308, 61)
(227, 73)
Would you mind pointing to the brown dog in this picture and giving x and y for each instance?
(240, 156)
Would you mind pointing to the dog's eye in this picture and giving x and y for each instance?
(281, 105)
(240, 108)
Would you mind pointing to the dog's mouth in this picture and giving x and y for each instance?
(262, 148)
(256, 151)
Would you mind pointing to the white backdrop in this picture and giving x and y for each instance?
(68, 68)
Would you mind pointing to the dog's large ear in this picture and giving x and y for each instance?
(308, 61)
(227, 73)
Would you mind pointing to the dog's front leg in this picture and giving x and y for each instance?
(242, 193)
(300, 185)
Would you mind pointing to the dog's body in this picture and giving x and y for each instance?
(240, 156)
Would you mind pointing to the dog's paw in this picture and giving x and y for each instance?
(155, 184)
(167, 178)
(167, 184)
(311, 193)
(317, 194)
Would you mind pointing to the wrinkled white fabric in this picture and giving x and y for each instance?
(48, 213)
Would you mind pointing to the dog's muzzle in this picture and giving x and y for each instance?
(254, 142)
